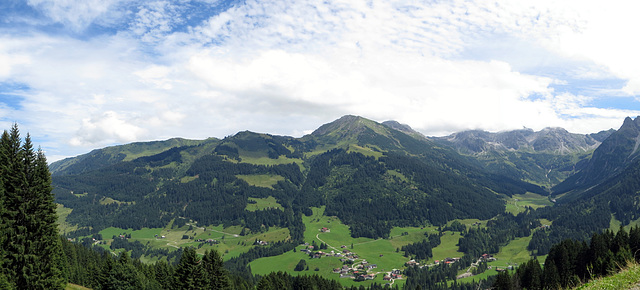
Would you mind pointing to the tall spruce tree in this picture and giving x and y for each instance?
(189, 274)
(30, 250)
(216, 275)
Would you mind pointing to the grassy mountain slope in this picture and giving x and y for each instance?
(99, 158)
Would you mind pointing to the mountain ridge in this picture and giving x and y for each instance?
(550, 139)
(614, 154)
(544, 157)
(354, 166)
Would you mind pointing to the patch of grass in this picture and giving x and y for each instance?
(263, 203)
(514, 253)
(484, 275)
(248, 157)
(75, 287)
(187, 179)
(625, 279)
(448, 247)
(614, 224)
(108, 200)
(146, 233)
(366, 151)
(261, 180)
(63, 226)
(518, 202)
(397, 174)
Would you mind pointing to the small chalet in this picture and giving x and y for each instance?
(450, 260)
(412, 263)
(487, 257)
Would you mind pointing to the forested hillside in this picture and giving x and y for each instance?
(371, 176)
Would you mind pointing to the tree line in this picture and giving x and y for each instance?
(572, 262)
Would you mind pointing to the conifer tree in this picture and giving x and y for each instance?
(189, 274)
(30, 250)
(216, 275)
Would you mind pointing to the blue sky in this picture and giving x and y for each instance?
(80, 75)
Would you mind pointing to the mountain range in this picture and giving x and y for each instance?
(545, 157)
(371, 175)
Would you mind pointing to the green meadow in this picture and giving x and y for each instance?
(448, 247)
(63, 226)
(231, 244)
(384, 253)
(518, 202)
(261, 180)
(263, 203)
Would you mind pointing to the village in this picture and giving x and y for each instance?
(359, 269)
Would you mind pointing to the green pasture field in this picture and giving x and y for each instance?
(261, 180)
(517, 203)
(397, 174)
(379, 251)
(366, 151)
(63, 226)
(262, 159)
(188, 179)
(413, 234)
(514, 253)
(615, 224)
(287, 262)
(485, 275)
(263, 203)
(231, 243)
(75, 287)
(448, 247)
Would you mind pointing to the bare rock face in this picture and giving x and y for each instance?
(552, 140)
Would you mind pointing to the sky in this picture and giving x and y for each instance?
(81, 75)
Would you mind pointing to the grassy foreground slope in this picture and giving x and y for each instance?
(628, 278)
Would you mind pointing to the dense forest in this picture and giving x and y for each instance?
(573, 262)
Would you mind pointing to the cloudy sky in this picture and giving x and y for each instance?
(80, 75)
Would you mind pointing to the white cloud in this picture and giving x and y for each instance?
(111, 126)
(286, 67)
(75, 14)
